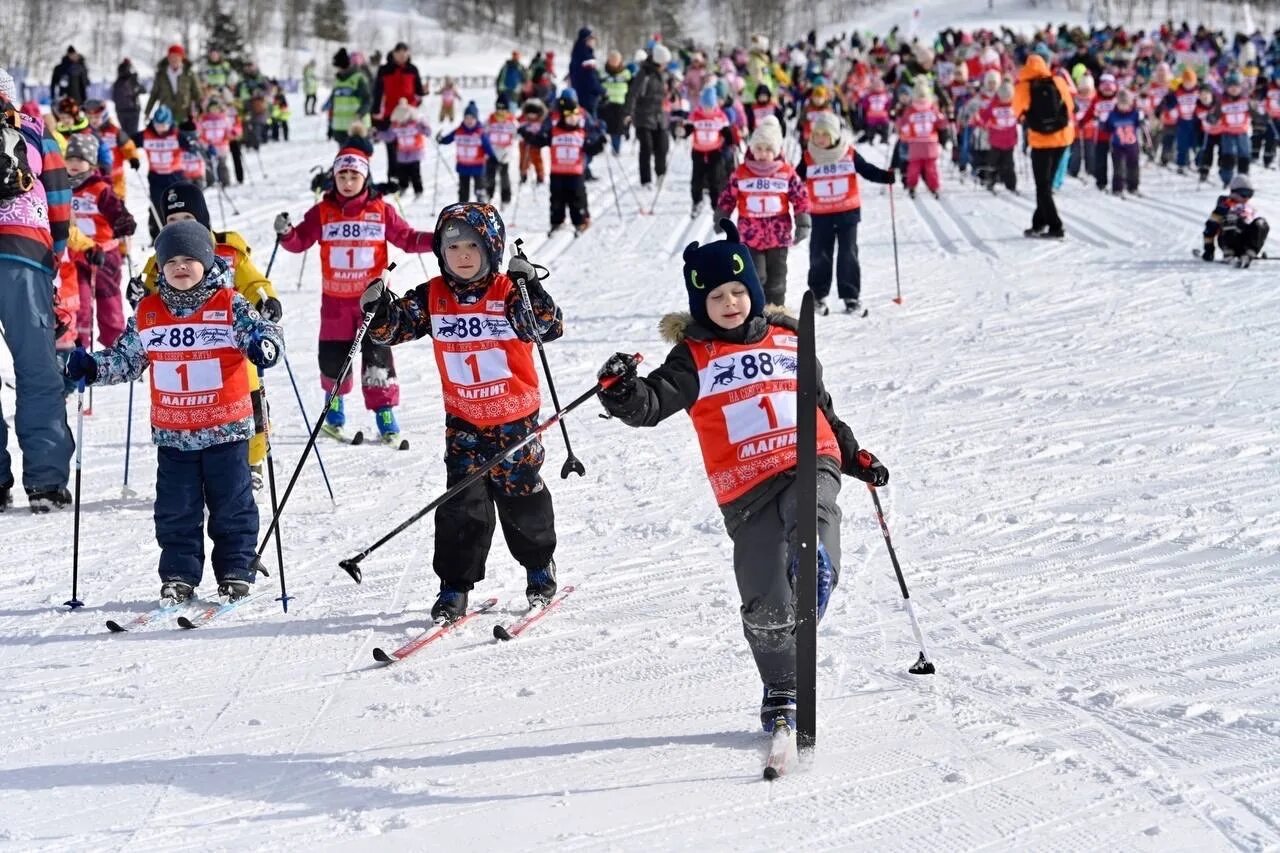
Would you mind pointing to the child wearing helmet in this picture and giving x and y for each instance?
(482, 331)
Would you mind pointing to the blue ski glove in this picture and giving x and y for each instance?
(80, 365)
(262, 351)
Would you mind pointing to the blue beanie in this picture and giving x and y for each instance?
(162, 115)
(709, 266)
(708, 98)
(471, 110)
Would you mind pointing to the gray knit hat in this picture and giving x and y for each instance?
(187, 239)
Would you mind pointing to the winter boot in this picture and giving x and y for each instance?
(778, 706)
(6, 496)
(820, 307)
(335, 418)
(388, 429)
(229, 591)
(175, 592)
(450, 606)
(541, 586)
(852, 306)
(43, 500)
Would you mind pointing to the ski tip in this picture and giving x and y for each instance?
(866, 311)
(382, 657)
(115, 627)
(501, 633)
(357, 439)
(771, 773)
(184, 622)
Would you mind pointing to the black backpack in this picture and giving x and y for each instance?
(1047, 112)
(16, 174)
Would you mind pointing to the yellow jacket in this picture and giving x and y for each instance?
(250, 282)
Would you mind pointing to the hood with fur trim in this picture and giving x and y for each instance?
(678, 326)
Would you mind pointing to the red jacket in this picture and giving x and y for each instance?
(393, 83)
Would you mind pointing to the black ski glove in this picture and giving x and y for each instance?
(377, 298)
(270, 309)
(618, 377)
(867, 468)
(135, 291)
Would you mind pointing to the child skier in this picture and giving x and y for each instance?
(713, 146)
(875, 106)
(448, 98)
(216, 131)
(571, 143)
(533, 113)
(743, 435)
(122, 148)
(1124, 127)
(195, 334)
(501, 129)
(1239, 230)
(918, 128)
(830, 170)
(473, 149)
(1001, 125)
(409, 132)
(353, 226)
(163, 147)
(491, 399)
(762, 107)
(1234, 149)
(182, 202)
(765, 190)
(102, 217)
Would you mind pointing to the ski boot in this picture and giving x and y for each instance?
(255, 476)
(820, 307)
(911, 192)
(582, 226)
(388, 429)
(229, 591)
(450, 606)
(541, 586)
(852, 306)
(697, 208)
(778, 707)
(335, 419)
(175, 592)
(43, 500)
(6, 496)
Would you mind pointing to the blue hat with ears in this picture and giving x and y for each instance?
(471, 110)
(708, 266)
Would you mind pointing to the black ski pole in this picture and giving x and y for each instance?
(125, 491)
(572, 465)
(351, 565)
(271, 262)
(271, 480)
(365, 321)
(922, 666)
(75, 601)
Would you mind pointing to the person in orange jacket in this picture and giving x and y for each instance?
(1045, 103)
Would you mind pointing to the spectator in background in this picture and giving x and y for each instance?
(70, 78)
(511, 78)
(125, 92)
(397, 80)
(33, 232)
(175, 86)
(309, 87)
(584, 77)
(645, 97)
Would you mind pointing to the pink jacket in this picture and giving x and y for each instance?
(400, 234)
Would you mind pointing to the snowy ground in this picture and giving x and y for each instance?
(1083, 441)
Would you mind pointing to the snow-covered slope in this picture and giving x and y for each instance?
(1082, 437)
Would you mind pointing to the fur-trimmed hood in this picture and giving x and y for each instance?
(679, 325)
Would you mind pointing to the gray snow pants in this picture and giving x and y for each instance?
(762, 547)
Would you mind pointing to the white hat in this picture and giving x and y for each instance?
(8, 88)
(661, 54)
(768, 132)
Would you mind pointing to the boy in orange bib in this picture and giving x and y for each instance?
(195, 333)
(483, 334)
(733, 369)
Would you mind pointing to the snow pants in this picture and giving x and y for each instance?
(100, 288)
(1001, 168)
(1236, 241)
(709, 175)
(409, 175)
(339, 321)
(514, 491)
(1168, 140)
(497, 179)
(188, 481)
(531, 158)
(569, 192)
(771, 270)
(835, 237)
(763, 548)
(1101, 159)
(40, 416)
(1186, 136)
(1233, 156)
(1127, 160)
(654, 143)
(1044, 162)
(928, 168)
